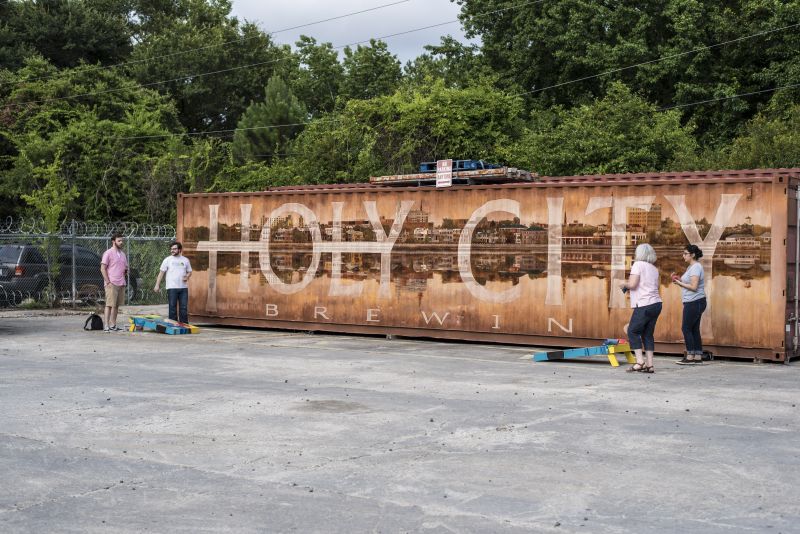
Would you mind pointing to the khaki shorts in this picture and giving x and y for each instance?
(115, 296)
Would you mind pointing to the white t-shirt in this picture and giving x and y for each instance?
(646, 291)
(176, 268)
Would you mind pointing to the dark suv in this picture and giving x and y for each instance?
(23, 274)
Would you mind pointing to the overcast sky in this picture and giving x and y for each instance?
(274, 15)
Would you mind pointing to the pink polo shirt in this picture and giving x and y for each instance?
(646, 291)
(116, 263)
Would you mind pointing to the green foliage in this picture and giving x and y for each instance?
(207, 158)
(455, 63)
(107, 143)
(222, 72)
(394, 133)
(67, 33)
(253, 176)
(212, 167)
(549, 88)
(369, 71)
(770, 140)
(618, 133)
(319, 77)
(49, 203)
(266, 128)
(550, 43)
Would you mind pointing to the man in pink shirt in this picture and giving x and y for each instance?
(114, 267)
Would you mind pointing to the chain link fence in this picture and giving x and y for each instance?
(41, 268)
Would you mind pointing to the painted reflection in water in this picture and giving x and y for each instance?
(426, 291)
(509, 261)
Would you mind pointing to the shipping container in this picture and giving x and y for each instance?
(536, 263)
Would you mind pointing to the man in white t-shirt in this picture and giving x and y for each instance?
(178, 271)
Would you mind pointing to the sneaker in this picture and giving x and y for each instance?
(115, 328)
(686, 361)
(107, 330)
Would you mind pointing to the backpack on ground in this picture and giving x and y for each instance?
(94, 322)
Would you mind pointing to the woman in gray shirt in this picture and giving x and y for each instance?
(693, 296)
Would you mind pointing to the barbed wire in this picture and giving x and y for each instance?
(30, 226)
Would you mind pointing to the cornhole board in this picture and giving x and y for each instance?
(610, 351)
(156, 323)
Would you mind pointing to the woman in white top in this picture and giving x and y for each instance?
(693, 296)
(646, 304)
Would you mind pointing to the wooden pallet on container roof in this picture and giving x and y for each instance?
(482, 176)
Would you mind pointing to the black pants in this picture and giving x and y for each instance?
(642, 326)
(692, 313)
(178, 304)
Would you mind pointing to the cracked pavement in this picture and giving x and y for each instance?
(245, 430)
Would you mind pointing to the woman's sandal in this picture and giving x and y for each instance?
(648, 370)
(636, 368)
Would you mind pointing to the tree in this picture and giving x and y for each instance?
(770, 140)
(105, 142)
(457, 64)
(319, 77)
(542, 48)
(212, 66)
(394, 133)
(619, 133)
(545, 44)
(66, 33)
(370, 71)
(266, 128)
(50, 202)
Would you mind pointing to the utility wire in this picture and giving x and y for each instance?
(671, 56)
(227, 131)
(242, 40)
(234, 130)
(740, 95)
(262, 63)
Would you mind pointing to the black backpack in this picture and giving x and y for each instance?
(94, 322)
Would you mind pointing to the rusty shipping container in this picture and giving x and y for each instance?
(531, 263)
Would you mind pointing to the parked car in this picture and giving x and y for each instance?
(23, 274)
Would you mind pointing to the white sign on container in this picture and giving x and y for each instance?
(444, 173)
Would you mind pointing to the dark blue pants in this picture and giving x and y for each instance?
(692, 313)
(642, 326)
(179, 304)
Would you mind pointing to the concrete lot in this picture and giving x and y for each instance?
(236, 430)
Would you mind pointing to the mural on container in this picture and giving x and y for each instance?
(541, 261)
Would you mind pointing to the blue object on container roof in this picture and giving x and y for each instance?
(460, 165)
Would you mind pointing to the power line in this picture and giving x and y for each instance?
(677, 106)
(262, 63)
(242, 40)
(226, 131)
(234, 130)
(671, 56)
